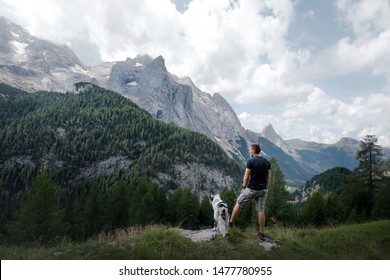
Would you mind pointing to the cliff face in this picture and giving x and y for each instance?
(148, 83)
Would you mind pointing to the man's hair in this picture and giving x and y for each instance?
(256, 148)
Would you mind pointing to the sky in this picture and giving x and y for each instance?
(316, 70)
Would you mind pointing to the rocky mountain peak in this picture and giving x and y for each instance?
(157, 65)
(348, 144)
(345, 141)
(26, 51)
(13, 42)
(11, 30)
(270, 134)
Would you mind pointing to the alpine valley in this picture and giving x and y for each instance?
(31, 64)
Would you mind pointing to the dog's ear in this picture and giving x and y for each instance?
(211, 197)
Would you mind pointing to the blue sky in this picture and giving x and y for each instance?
(316, 70)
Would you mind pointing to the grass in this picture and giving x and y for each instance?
(369, 241)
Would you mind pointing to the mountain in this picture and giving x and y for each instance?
(97, 132)
(176, 100)
(35, 64)
(32, 64)
(320, 157)
(329, 181)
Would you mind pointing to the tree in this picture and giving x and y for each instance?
(354, 199)
(148, 204)
(40, 216)
(205, 216)
(314, 211)
(183, 208)
(94, 212)
(118, 204)
(381, 208)
(370, 159)
(277, 205)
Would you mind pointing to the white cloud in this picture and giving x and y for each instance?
(367, 47)
(321, 118)
(366, 17)
(366, 115)
(240, 49)
(321, 135)
(236, 48)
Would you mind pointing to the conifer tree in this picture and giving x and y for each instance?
(148, 204)
(183, 208)
(314, 211)
(381, 208)
(118, 204)
(277, 207)
(205, 213)
(94, 212)
(40, 216)
(370, 159)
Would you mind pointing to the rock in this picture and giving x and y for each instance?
(105, 167)
(197, 236)
(268, 246)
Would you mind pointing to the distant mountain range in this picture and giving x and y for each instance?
(34, 64)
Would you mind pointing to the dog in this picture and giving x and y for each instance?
(221, 214)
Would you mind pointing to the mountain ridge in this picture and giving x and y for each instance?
(99, 132)
(147, 82)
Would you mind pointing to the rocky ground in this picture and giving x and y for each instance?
(204, 235)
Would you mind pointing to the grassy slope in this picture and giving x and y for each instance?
(361, 241)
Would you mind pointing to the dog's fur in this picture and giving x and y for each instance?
(221, 214)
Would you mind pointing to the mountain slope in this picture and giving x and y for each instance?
(329, 181)
(97, 132)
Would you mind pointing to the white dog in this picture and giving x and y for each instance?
(221, 214)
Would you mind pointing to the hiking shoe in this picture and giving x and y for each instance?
(261, 236)
(230, 225)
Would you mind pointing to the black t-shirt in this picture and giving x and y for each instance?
(259, 167)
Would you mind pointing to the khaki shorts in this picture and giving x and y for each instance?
(248, 194)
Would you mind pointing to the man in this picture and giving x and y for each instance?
(254, 186)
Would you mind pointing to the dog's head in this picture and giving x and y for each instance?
(215, 199)
(213, 196)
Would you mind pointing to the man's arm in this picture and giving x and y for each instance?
(268, 177)
(246, 178)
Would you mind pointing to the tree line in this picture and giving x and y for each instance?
(91, 207)
(49, 213)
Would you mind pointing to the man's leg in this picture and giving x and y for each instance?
(260, 206)
(261, 221)
(235, 212)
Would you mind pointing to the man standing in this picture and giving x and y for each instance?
(254, 186)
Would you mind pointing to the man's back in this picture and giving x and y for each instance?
(259, 167)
